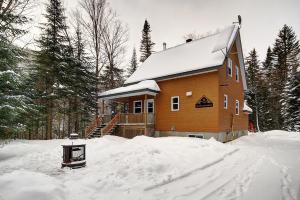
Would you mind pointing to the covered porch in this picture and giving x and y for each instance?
(130, 110)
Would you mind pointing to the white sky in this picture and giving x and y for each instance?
(170, 20)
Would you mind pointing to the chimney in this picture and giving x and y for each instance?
(189, 40)
(164, 46)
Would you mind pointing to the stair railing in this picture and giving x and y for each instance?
(93, 125)
(110, 125)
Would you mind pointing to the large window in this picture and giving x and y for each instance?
(225, 101)
(237, 73)
(175, 103)
(237, 107)
(229, 67)
(137, 106)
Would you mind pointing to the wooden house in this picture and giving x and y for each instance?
(194, 89)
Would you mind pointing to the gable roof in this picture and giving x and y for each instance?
(196, 56)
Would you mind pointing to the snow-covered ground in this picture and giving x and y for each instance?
(262, 166)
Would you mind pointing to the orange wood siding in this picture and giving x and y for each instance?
(188, 118)
(234, 90)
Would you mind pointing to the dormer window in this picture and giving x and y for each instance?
(229, 67)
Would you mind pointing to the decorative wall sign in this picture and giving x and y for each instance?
(204, 102)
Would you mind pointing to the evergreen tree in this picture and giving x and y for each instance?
(14, 101)
(83, 84)
(285, 51)
(146, 43)
(266, 93)
(253, 79)
(133, 63)
(292, 120)
(111, 77)
(51, 66)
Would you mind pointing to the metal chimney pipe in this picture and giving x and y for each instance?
(164, 46)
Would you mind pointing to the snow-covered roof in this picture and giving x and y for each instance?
(199, 54)
(143, 87)
(246, 108)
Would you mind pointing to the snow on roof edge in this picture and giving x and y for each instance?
(142, 85)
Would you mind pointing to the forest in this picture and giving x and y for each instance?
(51, 92)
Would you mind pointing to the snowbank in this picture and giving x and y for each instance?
(259, 165)
(113, 164)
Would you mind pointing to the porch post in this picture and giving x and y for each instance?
(103, 107)
(145, 114)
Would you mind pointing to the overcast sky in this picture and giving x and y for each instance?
(170, 20)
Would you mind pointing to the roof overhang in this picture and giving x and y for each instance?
(129, 94)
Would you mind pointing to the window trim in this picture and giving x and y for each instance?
(173, 97)
(147, 106)
(229, 66)
(135, 107)
(237, 73)
(237, 107)
(225, 97)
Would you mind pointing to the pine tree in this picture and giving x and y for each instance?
(266, 93)
(51, 59)
(83, 84)
(146, 43)
(133, 63)
(292, 120)
(14, 101)
(253, 79)
(285, 51)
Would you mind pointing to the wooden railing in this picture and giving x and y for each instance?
(136, 118)
(93, 125)
(132, 118)
(110, 125)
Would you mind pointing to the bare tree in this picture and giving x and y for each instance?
(114, 39)
(96, 12)
(94, 23)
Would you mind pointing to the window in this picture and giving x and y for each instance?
(229, 67)
(237, 73)
(150, 106)
(137, 106)
(237, 107)
(175, 103)
(225, 101)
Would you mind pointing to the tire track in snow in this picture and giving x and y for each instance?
(209, 182)
(190, 172)
(287, 192)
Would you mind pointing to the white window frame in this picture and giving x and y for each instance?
(229, 67)
(237, 107)
(147, 105)
(135, 107)
(237, 73)
(225, 101)
(173, 97)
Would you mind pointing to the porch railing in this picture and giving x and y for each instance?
(136, 118)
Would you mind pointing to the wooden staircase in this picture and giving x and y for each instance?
(97, 128)
(110, 126)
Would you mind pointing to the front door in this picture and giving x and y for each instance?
(150, 110)
(150, 106)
